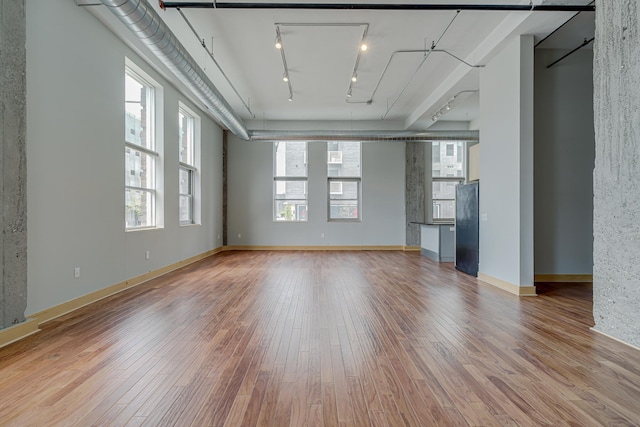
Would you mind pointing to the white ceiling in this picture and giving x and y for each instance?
(321, 58)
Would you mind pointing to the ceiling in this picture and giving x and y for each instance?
(404, 89)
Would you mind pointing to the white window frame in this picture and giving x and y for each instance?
(333, 181)
(358, 199)
(435, 208)
(277, 178)
(190, 166)
(152, 150)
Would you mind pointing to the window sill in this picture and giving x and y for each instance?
(131, 230)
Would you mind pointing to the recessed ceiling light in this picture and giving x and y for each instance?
(363, 47)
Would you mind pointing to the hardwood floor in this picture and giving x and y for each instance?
(322, 339)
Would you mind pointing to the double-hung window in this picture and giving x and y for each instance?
(290, 181)
(343, 180)
(448, 166)
(188, 172)
(141, 157)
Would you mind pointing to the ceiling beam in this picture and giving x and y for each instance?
(379, 6)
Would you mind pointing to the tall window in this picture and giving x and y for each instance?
(140, 151)
(188, 171)
(290, 181)
(447, 171)
(343, 180)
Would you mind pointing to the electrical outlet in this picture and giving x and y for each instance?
(218, 236)
(483, 217)
(147, 255)
(76, 273)
(239, 236)
(322, 235)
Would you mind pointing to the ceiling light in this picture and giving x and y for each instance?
(285, 77)
(363, 47)
(278, 43)
(354, 77)
(448, 107)
(349, 94)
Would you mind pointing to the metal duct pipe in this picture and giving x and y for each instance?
(360, 135)
(140, 17)
(380, 6)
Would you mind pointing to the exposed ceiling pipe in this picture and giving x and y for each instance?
(380, 6)
(358, 135)
(140, 17)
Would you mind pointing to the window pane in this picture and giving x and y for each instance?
(185, 181)
(290, 158)
(139, 208)
(287, 190)
(435, 156)
(444, 209)
(290, 210)
(349, 190)
(186, 209)
(343, 209)
(186, 132)
(343, 158)
(444, 190)
(139, 170)
(138, 112)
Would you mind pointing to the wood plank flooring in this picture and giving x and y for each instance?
(322, 339)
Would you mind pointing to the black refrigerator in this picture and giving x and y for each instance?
(467, 228)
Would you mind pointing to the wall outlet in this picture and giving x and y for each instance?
(239, 236)
(218, 236)
(76, 273)
(483, 217)
(322, 235)
(147, 255)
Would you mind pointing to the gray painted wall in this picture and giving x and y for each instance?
(13, 163)
(506, 164)
(250, 203)
(75, 149)
(563, 162)
(616, 225)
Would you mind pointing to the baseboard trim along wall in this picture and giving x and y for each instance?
(563, 278)
(615, 339)
(523, 291)
(320, 248)
(31, 325)
(17, 332)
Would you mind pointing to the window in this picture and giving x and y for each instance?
(188, 125)
(141, 156)
(290, 181)
(443, 190)
(449, 150)
(344, 181)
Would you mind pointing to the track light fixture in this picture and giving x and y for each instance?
(349, 94)
(285, 77)
(354, 77)
(278, 43)
(447, 107)
(363, 46)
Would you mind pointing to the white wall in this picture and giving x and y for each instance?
(564, 158)
(75, 156)
(506, 164)
(250, 203)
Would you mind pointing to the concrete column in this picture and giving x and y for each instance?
(414, 190)
(13, 172)
(616, 177)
